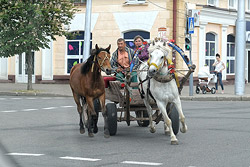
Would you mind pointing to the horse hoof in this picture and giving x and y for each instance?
(152, 130)
(183, 129)
(95, 130)
(106, 135)
(167, 133)
(174, 142)
(91, 135)
(82, 130)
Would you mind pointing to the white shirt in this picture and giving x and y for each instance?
(219, 66)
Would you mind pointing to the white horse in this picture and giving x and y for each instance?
(163, 92)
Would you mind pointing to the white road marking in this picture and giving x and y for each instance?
(16, 98)
(31, 98)
(80, 158)
(10, 111)
(25, 154)
(67, 106)
(49, 108)
(46, 98)
(142, 163)
(2, 98)
(34, 109)
(59, 98)
(31, 109)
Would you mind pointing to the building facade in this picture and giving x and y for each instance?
(214, 32)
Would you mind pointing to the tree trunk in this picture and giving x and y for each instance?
(29, 62)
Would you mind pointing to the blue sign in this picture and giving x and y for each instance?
(190, 25)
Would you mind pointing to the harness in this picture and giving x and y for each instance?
(160, 78)
(171, 69)
(163, 79)
(166, 78)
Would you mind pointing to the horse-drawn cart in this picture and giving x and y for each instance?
(125, 98)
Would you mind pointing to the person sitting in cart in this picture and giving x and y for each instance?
(140, 52)
(121, 59)
(141, 47)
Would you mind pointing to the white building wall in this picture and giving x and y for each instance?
(3, 68)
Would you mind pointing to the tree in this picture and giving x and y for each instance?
(28, 25)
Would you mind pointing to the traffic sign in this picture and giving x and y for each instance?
(190, 25)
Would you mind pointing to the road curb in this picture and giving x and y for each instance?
(216, 98)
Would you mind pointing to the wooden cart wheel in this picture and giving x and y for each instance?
(112, 118)
(144, 114)
(174, 116)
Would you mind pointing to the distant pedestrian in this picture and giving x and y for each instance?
(219, 67)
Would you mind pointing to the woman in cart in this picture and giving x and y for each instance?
(141, 47)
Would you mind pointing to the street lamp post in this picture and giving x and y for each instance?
(86, 49)
(240, 49)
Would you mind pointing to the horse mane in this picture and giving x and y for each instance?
(88, 64)
(159, 44)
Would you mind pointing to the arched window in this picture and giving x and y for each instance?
(210, 50)
(75, 49)
(230, 54)
(129, 37)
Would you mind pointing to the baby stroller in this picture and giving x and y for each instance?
(205, 78)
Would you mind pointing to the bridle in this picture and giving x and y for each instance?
(98, 61)
(156, 66)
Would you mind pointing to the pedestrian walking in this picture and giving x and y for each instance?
(219, 67)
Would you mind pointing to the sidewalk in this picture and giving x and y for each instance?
(17, 89)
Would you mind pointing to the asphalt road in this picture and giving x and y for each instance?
(40, 131)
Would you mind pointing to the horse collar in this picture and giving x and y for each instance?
(163, 78)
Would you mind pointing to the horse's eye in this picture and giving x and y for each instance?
(161, 57)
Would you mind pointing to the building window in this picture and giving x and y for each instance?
(248, 5)
(75, 50)
(210, 50)
(230, 54)
(212, 2)
(232, 4)
(129, 37)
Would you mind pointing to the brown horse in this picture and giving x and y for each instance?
(87, 84)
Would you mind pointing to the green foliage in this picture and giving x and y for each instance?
(28, 25)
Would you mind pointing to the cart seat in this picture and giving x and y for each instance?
(107, 79)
